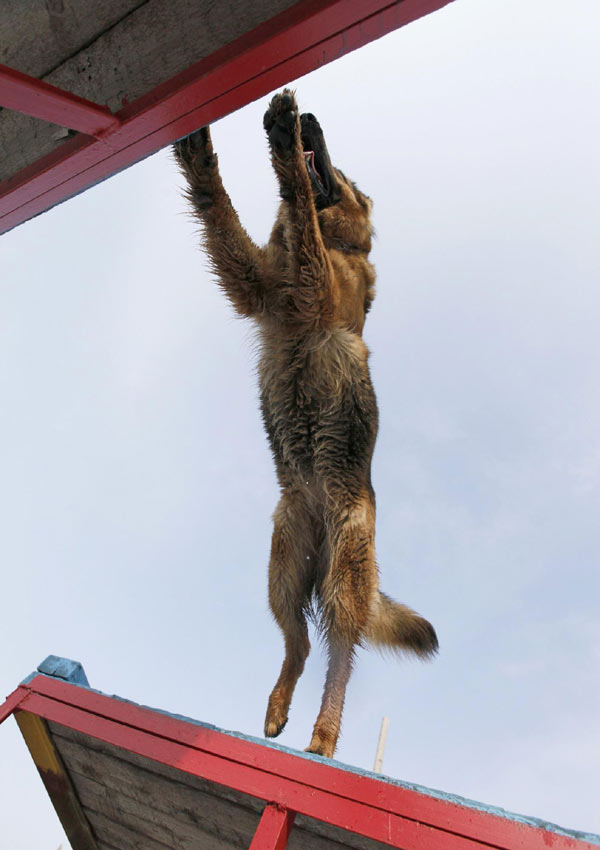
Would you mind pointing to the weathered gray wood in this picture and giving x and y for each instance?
(152, 43)
(120, 789)
(38, 35)
(124, 786)
(128, 839)
(210, 821)
(159, 828)
(173, 798)
(170, 827)
(62, 734)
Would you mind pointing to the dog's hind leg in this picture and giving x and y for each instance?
(236, 260)
(290, 588)
(347, 596)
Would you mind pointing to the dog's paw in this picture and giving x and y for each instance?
(277, 715)
(281, 122)
(320, 750)
(321, 745)
(273, 728)
(275, 721)
(195, 149)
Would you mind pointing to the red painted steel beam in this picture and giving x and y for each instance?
(395, 815)
(41, 100)
(273, 829)
(308, 35)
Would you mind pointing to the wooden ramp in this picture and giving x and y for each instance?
(125, 777)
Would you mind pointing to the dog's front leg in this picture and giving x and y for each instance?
(237, 261)
(310, 272)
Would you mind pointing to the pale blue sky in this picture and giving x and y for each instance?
(138, 488)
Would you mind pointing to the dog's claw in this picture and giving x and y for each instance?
(281, 121)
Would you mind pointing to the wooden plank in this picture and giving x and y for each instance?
(159, 39)
(124, 838)
(159, 829)
(128, 762)
(172, 828)
(140, 790)
(56, 780)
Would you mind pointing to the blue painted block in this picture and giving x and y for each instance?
(61, 668)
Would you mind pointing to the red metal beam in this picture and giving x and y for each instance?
(41, 100)
(308, 35)
(273, 829)
(383, 811)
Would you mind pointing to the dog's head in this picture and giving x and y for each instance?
(322, 174)
(344, 211)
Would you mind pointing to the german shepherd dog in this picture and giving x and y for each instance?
(309, 291)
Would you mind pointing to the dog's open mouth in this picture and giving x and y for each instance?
(324, 183)
(309, 159)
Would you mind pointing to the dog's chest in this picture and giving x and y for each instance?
(316, 396)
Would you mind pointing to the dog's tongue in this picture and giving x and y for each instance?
(309, 157)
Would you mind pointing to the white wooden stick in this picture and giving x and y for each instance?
(385, 722)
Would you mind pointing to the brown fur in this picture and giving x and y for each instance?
(309, 290)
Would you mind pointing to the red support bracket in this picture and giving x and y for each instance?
(41, 100)
(273, 829)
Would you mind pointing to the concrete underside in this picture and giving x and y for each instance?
(111, 53)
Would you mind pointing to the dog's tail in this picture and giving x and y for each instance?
(401, 629)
